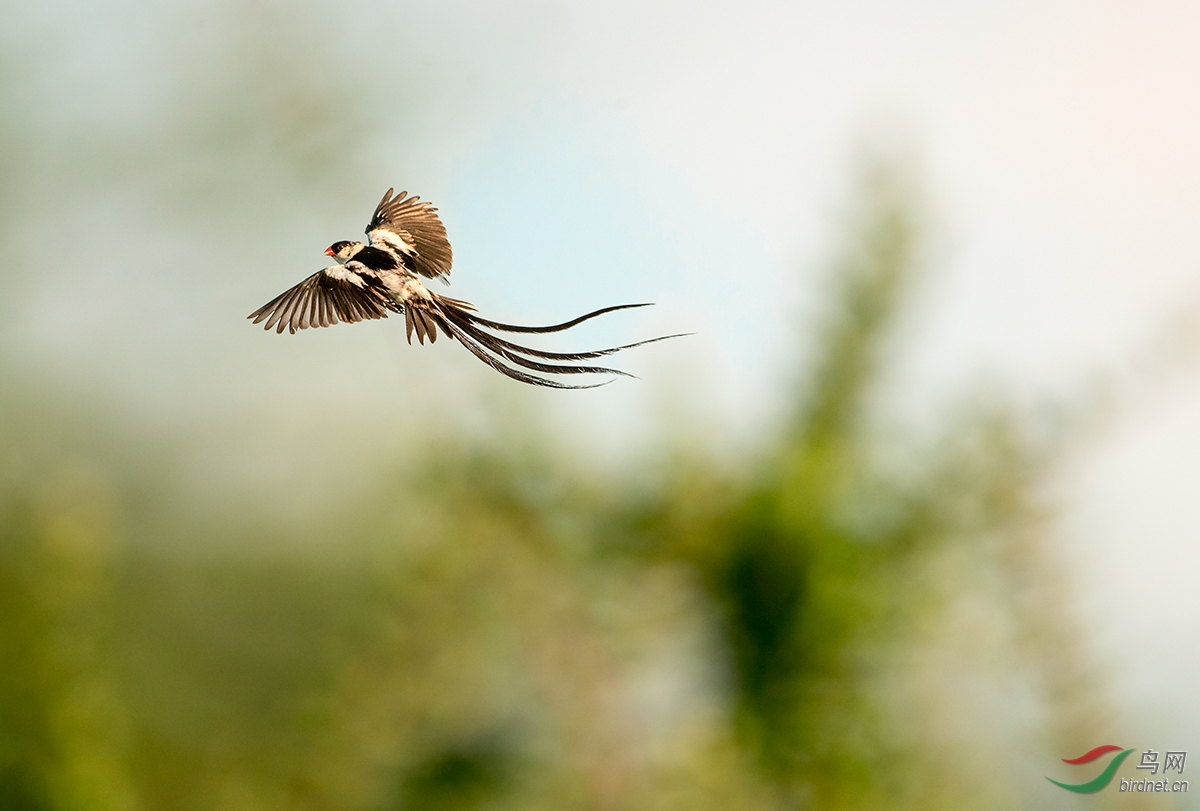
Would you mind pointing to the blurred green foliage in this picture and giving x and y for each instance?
(492, 626)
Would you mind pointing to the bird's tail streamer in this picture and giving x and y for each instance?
(458, 319)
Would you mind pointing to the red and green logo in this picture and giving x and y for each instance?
(1101, 780)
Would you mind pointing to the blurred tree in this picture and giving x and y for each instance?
(820, 564)
(801, 572)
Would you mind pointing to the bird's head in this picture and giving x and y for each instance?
(343, 251)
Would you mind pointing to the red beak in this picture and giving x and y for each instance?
(329, 251)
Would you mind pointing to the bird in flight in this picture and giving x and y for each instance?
(405, 241)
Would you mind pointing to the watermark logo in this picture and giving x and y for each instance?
(1101, 780)
(1173, 760)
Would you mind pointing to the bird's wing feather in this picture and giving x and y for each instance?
(412, 227)
(335, 294)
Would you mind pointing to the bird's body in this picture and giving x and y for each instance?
(377, 258)
(407, 241)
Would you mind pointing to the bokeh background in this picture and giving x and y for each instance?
(909, 518)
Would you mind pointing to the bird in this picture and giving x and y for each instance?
(406, 241)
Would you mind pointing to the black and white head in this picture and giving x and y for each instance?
(343, 251)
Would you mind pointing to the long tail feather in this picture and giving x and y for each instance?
(498, 346)
(464, 320)
(557, 327)
(596, 353)
(458, 320)
(467, 319)
(534, 380)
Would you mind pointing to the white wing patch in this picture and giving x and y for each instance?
(401, 241)
(343, 273)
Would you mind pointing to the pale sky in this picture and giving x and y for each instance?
(1060, 146)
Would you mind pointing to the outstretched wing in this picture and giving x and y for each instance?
(327, 297)
(411, 227)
